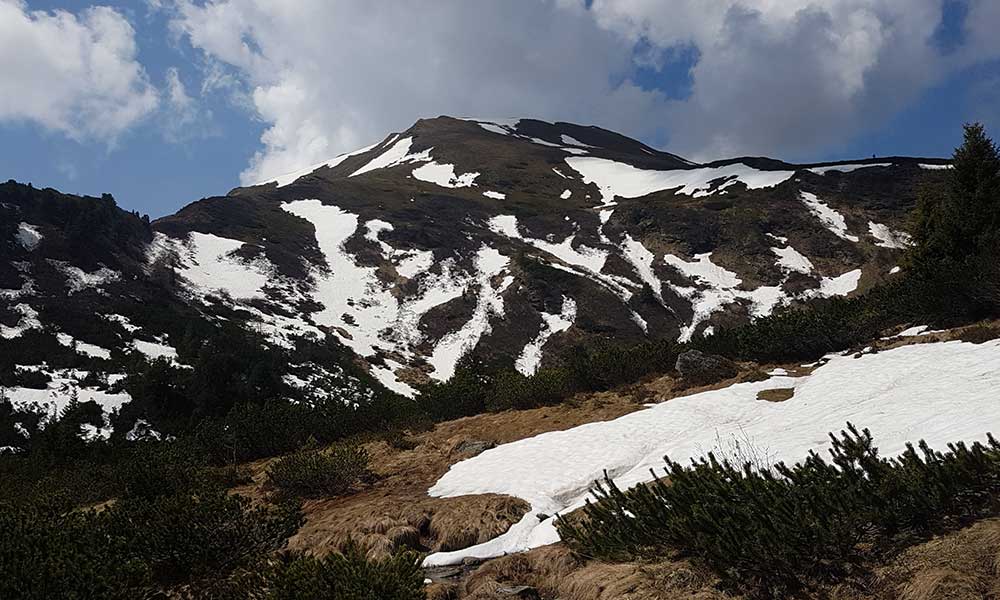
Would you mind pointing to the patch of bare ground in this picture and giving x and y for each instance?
(776, 395)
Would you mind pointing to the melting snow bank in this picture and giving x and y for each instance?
(847, 168)
(831, 219)
(941, 393)
(624, 180)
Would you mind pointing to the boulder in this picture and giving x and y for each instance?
(698, 368)
(472, 448)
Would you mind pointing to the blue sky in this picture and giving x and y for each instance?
(276, 77)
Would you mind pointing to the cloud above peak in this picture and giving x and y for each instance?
(767, 76)
(74, 74)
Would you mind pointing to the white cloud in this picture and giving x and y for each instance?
(331, 77)
(787, 77)
(773, 76)
(76, 74)
(185, 117)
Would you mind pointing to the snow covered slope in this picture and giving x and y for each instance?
(938, 392)
(508, 239)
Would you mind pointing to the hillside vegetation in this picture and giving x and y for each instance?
(124, 518)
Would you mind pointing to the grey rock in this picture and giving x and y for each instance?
(473, 447)
(698, 368)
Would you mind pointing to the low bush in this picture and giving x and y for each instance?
(347, 576)
(135, 545)
(311, 473)
(772, 532)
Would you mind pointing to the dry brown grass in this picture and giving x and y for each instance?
(556, 573)
(399, 496)
(962, 565)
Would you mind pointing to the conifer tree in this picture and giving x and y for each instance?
(958, 223)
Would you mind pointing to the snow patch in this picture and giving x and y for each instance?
(397, 154)
(288, 178)
(489, 263)
(847, 168)
(791, 259)
(887, 238)
(715, 287)
(78, 280)
(28, 236)
(900, 394)
(840, 285)
(154, 350)
(209, 264)
(571, 141)
(28, 320)
(831, 219)
(641, 260)
(495, 195)
(531, 356)
(444, 175)
(616, 179)
(84, 348)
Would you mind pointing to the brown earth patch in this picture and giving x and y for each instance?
(776, 395)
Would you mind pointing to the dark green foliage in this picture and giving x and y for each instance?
(769, 533)
(135, 544)
(477, 387)
(46, 555)
(347, 576)
(311, 473)
(961, 221)
(957, 225)
(183, 537)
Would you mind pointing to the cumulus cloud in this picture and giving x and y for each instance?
(331, 77)
(75, 74)
(771, 76)
(787, 77)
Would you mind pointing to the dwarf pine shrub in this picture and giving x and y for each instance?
(310, 473)
(771, 532)
(347, 576)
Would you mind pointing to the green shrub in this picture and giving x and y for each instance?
(348, 576)
(772, 532)
(184, 537)
(134, 546)
(310, 473)
(45, 555)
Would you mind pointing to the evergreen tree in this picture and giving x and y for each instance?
(957, 223)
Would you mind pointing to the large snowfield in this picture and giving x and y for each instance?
(938, 392)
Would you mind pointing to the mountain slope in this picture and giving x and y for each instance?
(506, 240)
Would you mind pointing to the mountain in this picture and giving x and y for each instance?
(502, 240)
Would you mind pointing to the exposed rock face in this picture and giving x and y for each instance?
(470, 448)
(698, 368)
(508, 240)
